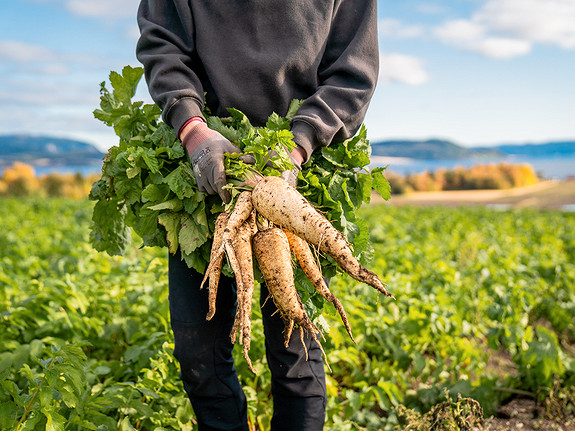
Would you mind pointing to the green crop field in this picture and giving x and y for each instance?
(484, 309)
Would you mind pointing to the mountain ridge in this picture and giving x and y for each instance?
(441, 149)
(38, 150)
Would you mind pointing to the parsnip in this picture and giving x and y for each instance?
(305, 258)
(214, 274)
(271, 248)
(282, 204)
(242, 245)
(238, 216)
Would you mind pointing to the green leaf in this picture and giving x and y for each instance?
(380, 183)
(125, 85)
(193, 230)
(173, 204)
(358, 150)
(199, 258)
(126, 425)
(55, 421)
(171, 221)
(335, 155)
(99, 190)
(294, 106)
(109, 232)
(155, 193)
(228, 132)
(128, 189)
(164, 136)
(275, 122)
(364, 185)
(181, 181)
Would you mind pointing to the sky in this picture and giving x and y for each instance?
(476, 72)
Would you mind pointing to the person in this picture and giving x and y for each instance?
(255, 56)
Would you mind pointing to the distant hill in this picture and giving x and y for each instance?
(432, 149)
(436, 149)
(47, 151)
(550, 149)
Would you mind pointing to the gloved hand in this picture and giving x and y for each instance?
(297, 156)
(206, 148)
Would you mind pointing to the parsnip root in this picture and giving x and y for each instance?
(214, 275)
(282, 204)
(306, 260)
(271, 248)
(242, 246)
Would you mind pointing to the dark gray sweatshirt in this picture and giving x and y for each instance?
(258, 55)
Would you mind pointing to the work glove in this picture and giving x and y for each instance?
(291, 175)
(297, 156)
(206, 149)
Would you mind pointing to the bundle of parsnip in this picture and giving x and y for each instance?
(147, 187)
(273, 221)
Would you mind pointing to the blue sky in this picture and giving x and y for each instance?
(478, 72)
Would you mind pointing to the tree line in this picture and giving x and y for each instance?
(20, 179)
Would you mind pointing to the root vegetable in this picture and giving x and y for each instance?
(214, 275)
(271, 248)
(238, 216)
(303, 254)
(282, 204)
(242, 246)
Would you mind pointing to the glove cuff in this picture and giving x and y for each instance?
(198, 134)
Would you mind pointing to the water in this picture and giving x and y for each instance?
(84, 170)
(549, 168)
(81, 169)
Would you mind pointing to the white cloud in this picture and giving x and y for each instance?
(502, 48)
(472, 36)
(21, 52)
(509, 28)
(48, 93)
(395, 28)
(401, 68)
(459, 32)
(549, 21)
(103, 8)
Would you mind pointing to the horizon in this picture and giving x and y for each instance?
(372, 141)
(473, 72)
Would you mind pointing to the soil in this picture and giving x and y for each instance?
(544, 195)
(523, 415)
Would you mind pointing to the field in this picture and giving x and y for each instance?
(484, 311)
(544, 195)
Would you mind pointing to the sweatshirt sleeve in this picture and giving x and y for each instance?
(347, 78)
(166, 50)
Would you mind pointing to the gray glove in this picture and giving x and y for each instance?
(291, 176)
(207, 159)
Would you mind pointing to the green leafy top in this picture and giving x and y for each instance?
(147, 184)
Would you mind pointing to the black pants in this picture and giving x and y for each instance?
(204, 351)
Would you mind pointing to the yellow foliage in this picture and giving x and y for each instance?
(20, 180)
(492, 176)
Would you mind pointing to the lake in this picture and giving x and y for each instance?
(549, 168)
